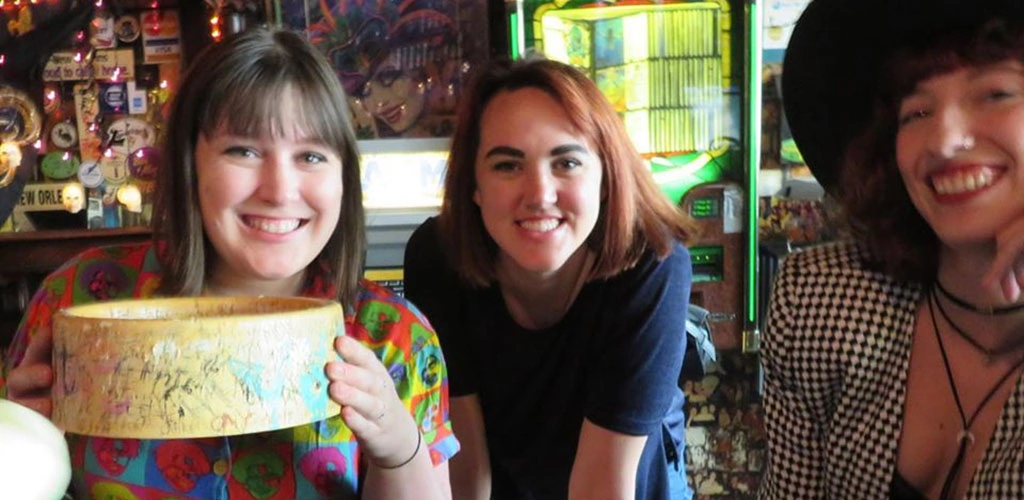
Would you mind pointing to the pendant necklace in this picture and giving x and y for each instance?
(965, 437)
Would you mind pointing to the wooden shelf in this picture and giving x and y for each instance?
(44, 251)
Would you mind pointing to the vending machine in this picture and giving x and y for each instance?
(675, 72)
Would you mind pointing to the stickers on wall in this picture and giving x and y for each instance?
(113, 98)
(129, 134)
(143, 163)
(90, 175)
(64, 135)
(101, 30)
(127, 29)
(161, 36)
(114, 165)
(59, 165)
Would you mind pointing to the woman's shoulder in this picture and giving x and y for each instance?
(842, 272)
(375, 301)
(676, 264)
(130, 258)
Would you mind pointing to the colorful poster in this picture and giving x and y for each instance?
(402, 64)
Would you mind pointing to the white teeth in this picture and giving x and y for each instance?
(541, 225)
(275, 226)
(962, 182)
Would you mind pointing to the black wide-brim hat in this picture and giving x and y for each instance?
(830, 74)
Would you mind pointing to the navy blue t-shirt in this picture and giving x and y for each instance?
(613, 359)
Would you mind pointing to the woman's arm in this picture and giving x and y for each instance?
(605, 465)
(632, 384)
(471, 468)
(390, 441)
(794, 430)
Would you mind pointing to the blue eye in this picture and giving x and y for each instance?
(241, 151)
(313, 158)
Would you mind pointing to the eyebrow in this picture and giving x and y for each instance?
(556, 151)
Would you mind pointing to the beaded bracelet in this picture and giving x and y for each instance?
(419, 442)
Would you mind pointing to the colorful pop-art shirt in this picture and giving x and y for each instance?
(319, 460)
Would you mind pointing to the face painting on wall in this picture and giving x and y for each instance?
(400, 63)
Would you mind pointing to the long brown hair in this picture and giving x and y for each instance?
(634, 216)
(238, 83)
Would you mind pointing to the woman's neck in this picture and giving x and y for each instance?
(961, 269)
(960, 272)
(538, 301)
(225, 284)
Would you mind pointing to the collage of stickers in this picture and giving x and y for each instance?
(105, 97)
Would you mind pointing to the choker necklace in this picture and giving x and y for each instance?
(986, 310)
(990, 354)
(966, 437)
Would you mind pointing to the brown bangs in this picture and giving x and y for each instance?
(995, 42)
(250, 106)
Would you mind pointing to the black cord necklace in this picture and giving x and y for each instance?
(986, 310)
(966, 437)
(990, 354)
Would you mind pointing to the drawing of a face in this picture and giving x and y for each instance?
(111, 491)
(378, 319)
(73, 196)
(325, 468)
(182, 464)
(113, 455)
(393, 96)
(259, 473)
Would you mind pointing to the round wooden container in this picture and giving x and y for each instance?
(193, 367)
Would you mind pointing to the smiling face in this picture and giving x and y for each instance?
(269, 205)
(960, 150)
(393, 96)
(538, 182)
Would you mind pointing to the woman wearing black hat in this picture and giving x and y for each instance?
(893, 362)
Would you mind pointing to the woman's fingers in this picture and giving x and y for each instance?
(1007, 269)
(29, 384)
(369, 404)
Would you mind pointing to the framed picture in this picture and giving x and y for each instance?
(402, 63)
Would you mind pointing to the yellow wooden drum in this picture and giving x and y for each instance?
(193, 367)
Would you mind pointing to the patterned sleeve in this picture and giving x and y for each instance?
(404, 341)
(794, 427)
(52, 295)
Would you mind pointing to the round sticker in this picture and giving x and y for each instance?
(20, 121)
(144, 162)
(131, 133)
(90, 175)
(114, 167)
(59, 165)
(64, 135)
(127, 29)
(114, 97)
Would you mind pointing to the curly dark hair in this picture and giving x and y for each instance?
(871, 189)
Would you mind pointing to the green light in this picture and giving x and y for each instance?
(754, 18)
(513, 35)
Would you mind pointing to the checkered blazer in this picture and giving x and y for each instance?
(836, 350)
